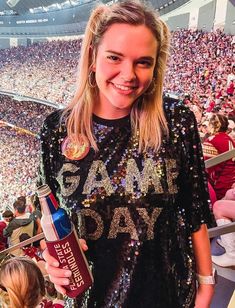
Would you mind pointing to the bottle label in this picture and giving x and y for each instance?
(70, 256)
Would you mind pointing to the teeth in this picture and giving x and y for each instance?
(122, 87)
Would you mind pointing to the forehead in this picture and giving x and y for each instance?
(129, 39)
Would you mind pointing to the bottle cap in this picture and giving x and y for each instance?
(43, 191)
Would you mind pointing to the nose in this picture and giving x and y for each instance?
(127, 72)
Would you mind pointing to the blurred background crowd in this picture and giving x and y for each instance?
(201, 72)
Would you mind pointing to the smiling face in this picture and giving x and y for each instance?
(124, 68)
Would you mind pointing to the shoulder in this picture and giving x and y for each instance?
(52, 125)
(53, 120)
(177, 113)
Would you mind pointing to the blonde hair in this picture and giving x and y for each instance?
(147, 114)
(23, 281)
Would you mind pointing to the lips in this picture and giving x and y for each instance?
(124, 89)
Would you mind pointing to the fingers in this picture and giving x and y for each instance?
(52, 268)
(49, 259)
(59, 276)
(57, 272)
(60, 289)
(83, 244)
(59, 281)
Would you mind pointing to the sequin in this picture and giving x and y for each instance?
(122, 223)
(150, 221)
(98, 168)
(99, 226)
(136, 211)
(149, 175)
(69, 186)
(171, 175)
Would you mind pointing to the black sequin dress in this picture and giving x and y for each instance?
(137, 212)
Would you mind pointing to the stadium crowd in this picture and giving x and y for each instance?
(18, 165)
(24, 114)
(43, 70)
(20, 123)
(201, 71)
(48, 70)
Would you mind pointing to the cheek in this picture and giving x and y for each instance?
(104, 72)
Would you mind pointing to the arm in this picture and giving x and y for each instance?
(195, 196)
(201, 248)
(39, 227)
(49, 136)
(10, 228)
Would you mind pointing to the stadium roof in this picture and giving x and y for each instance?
(22, 7)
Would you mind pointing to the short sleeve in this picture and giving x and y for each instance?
(48, 153)
(194, 185)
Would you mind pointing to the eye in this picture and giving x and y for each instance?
(113, 58)
(145, 63)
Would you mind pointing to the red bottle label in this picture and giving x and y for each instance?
(70, 256)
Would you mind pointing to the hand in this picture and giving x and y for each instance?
(204, 295)
(57, 275)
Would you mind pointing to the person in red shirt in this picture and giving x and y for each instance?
(221, 176)
(230, 88)
(7, 217)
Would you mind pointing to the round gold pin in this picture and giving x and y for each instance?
(75, 150)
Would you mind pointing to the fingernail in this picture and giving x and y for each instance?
(65, 282)
(68, 274)
(56, 264)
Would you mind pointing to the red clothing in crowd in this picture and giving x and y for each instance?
(221, 176)
(230, 89)
(211, 106)
(3, 240)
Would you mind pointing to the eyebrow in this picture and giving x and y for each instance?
(149, 58)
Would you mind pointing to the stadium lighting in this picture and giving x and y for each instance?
(12, 3)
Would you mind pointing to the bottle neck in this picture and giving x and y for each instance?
(49, 204)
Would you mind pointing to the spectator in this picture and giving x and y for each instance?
(221, 176)
(22, 223)
(7, 217)
(22, 285)
(36, 215)
(224, 211)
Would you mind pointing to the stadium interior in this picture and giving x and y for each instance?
(40, 43)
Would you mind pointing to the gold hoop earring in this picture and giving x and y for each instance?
(91, 80)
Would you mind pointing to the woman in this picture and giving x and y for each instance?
(22, 285)
(221, 176)
(23, 281)
(130, 167)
